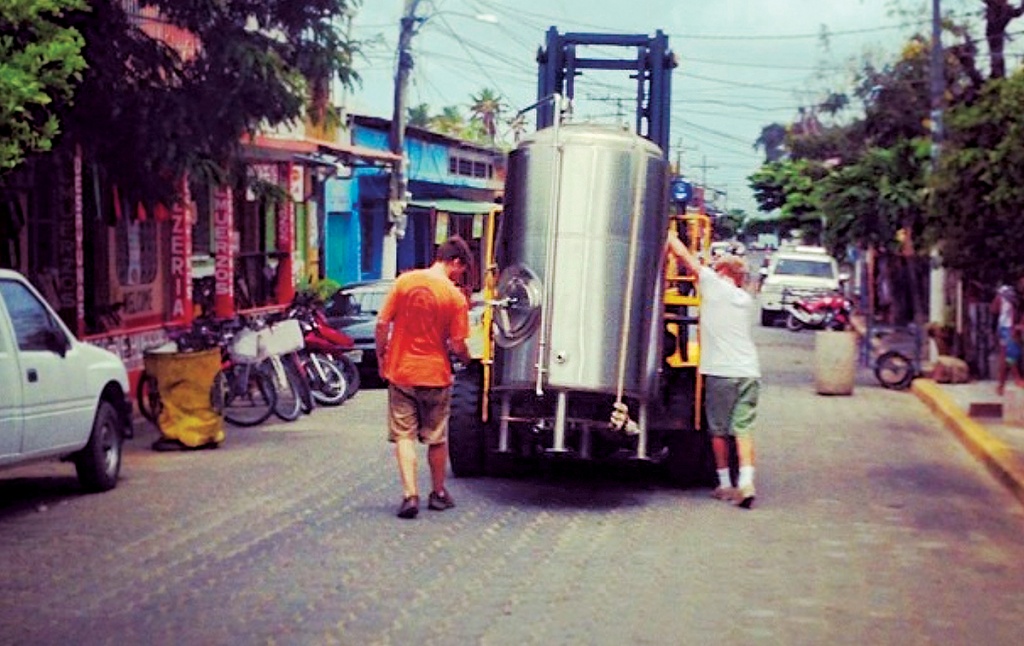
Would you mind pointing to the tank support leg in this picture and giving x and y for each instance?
(585, 440)
(506, 407)
(641, 440)
(560, 413)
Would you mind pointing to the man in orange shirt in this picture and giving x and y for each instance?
(424, 319)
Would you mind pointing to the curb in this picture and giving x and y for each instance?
(999, 458)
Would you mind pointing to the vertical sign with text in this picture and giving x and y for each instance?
(223, 254)
(286, 238)
(181, 258)
(79, 246)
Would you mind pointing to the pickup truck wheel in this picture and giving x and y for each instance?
(465, 429)
(99, 463)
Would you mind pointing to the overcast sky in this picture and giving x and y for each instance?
(743, 63)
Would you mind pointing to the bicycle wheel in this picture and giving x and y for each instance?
(244, 395)
(894, 370)
(332, 390)
(289, 404)
(148, 397)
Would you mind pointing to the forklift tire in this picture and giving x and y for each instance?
(466, 432)
(690, 462)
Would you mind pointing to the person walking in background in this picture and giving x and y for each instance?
(728, 363)
(1004, 309)
(424, 320)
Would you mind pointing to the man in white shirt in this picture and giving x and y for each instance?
(728, 363)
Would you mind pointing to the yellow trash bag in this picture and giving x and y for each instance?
(184, 381)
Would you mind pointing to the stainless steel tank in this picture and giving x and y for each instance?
(580, 247)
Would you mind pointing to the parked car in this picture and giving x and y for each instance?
(801, 270)
(354, 308)
(61, 398)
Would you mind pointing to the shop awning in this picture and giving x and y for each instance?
(454, 206)
(273, 147)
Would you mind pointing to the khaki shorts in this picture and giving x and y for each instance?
(731, 405)
(419, 412)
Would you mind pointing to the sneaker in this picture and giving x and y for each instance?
(745, 497)
(724, 493)
(410, 507)
(440, 501)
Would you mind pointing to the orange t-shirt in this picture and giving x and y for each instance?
(425, 311)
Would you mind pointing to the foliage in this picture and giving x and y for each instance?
(40, 63)
(480, 127)
(150, 113)
(319, 290)
(979, 187)
(487, 107)
(418, 116)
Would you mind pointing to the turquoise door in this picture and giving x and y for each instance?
(342, 247)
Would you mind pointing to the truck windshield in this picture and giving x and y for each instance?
(799, 267)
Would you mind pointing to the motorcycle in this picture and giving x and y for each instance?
(328, 355)
(831, 312)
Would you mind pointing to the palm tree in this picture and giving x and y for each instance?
(487, 106)
(449, 122)
(419, 115)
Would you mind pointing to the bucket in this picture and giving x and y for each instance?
(835, 362)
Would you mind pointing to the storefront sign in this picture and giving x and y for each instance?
(79, 246)
(181, 260)
(286, 244)
(224, 259)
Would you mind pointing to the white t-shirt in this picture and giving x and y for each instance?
(726, 328)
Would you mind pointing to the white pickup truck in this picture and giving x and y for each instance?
(59, 397)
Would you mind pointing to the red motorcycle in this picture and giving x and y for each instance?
(330, 368)
(823, 312)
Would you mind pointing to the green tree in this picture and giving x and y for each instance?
(149, 115)
(487, 107)
(418, 115)
(40, 63)
(450, 122)
(979, 186)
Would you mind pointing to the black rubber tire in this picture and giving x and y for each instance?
(793, 324)
(288, 404)
(246, 406)
(99, 464)
(894, 370)
(466, 432)
(147, 397)
(305, 390)
(333, 389)
(352, 378)
(767, 318)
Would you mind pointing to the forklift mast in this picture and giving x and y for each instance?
(558, 66)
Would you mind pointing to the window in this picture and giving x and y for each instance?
(798, 267)
(136, 251)
(32, 323)
(467, 167)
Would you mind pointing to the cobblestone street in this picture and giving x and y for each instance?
(873, 525)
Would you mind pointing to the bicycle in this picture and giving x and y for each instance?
(272, 349)
(898, 361)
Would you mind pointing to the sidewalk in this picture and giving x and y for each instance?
(975, 414)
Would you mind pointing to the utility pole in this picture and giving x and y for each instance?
(938, 83)
(937, 277)
(704, 170)
(397, 195)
